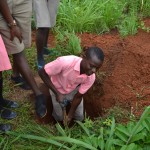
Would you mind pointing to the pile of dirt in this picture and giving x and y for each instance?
(126, 72)
(124, 78)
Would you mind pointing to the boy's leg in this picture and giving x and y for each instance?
(79, 113)
(42, 19)
(41, 42)
(5, 113)
(25, 71)
(48, 9)
(57, 110)
(22, 13)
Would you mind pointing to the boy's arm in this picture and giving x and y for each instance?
(46, 79)
(75, 102)
(14, 30)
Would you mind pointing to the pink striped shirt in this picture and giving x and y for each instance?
(65, 75)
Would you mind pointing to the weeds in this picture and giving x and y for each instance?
(139, 95)
(129, 25)
(143, 27)
(66, 44)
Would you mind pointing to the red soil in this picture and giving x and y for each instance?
(125, 75)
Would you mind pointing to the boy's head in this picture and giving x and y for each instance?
(92, 60)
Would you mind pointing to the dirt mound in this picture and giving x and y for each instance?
(126, 72)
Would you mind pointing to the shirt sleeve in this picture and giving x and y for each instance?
(54, 67)
(84, 87)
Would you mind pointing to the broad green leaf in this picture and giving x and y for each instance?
(147, 140)
(137, 137)
(121, 136)
(146, 124)
(74, 141)
(94, 141)
(146, 147)
(112, 128)
(130, 126)
(84, 128)
(132, 146)
(60, 129)
(138, 127)
(73, 147)
(38, 138)
(101, 143)
(122, 129)
(118, 142)
(109, 144)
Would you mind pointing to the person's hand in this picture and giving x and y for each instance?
(67, 121)
(60, 97)
(15, 32)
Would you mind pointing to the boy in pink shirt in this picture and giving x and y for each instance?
(5, 113)
(69, 78)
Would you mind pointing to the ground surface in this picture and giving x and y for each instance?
(123, 80)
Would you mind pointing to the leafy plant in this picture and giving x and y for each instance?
(143, 27)
(67, 44)
(129, 25)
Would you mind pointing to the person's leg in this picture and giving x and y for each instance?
(79, 113)
(18, 79)
(46, 51)
(5, 113)
(22, 13)
(42, 20)
(25, 71)
(41, 42)
(57, 109)
(3, 127)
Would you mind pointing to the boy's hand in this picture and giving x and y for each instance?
(66, 121)
(15, 32)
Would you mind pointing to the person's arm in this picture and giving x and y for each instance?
(75, 102)
(46, 79)
(14, 30)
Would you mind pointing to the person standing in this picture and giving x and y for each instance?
(5, 103)
(15, 29)
(45, 12)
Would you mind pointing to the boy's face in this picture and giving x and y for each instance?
(91, 65)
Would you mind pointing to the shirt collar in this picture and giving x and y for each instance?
(77, 65)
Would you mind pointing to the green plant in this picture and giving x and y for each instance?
(143, 27)
(145, 7)
(118, 112)
(129, 25)
(89, 16)
(67, 44)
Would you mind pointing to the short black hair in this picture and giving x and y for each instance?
(91, 51)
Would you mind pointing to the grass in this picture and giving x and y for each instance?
(74, 16)
(100, 135)
(101, 16)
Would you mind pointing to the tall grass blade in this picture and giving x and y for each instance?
(84, 128)
(143, 117)
(38, 138)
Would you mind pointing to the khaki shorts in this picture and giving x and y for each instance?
(45, 12)
(21, 11)
(57, 109)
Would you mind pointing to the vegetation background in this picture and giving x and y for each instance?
(78, 16)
